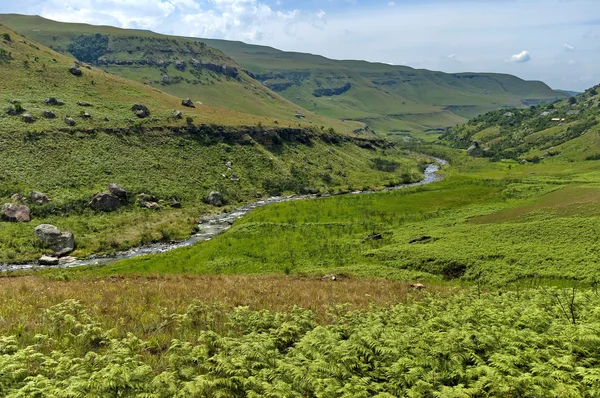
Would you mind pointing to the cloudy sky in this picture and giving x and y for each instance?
(556, 41)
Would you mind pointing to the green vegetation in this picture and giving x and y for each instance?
(533, 343)
(389, 99)
(566, 130)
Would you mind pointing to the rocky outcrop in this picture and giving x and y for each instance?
(329, 92)
(106, 202)
(13, 212)
(215, 199)
(62, 243)
(39, 198)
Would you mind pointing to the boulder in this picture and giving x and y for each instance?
(417, 286)
(373, 236)
(75, 70)
(27, 118)
(13, 212)
(149, 205)
(69, 121)
(180, 65)
(188, 102)
(17, 198)
(147, 198)
(62, 243)
(165, 79)
(174, 203)
(177, 114)
(105, 202)
(118, 191)
(39, 198)
(83, 103)
(141, 110)
(49, 115)
(48, 260)
(53, 101)
(215, 199)
(423, 238)
(86, 115)
(235, 178)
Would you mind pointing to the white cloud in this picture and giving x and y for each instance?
(451, 56)
(521, 57)
(392, 3)
(569, 48)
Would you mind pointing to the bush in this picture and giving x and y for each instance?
(89, 48)
(6, 37)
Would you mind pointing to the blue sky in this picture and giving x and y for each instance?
(556, 41)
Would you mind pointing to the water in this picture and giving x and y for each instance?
(211, 226)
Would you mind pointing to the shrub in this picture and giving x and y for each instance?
(6, 37)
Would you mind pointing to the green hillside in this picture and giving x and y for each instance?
(182, 159)
(565, 130)
(394, 100)
(178, 66)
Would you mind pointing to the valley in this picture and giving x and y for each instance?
(186, 217)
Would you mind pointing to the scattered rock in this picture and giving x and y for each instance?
(107, 172)
(228, 163)
(423, 238)
(17, 198)
(13, 212)
(118, 191)
(333, 277)
(147, 198)
(75, 70)
(39, 198)
(53, 102)
(86, 115)
(149, 205)
(49, 115)
(15, 101)
(417, 286)
(215, 199)
(62, 243)
(180, 65)
(11, 111)
(48, 260)
(69, 121)
(234, 177)
(27, 118)
(66, 260)
(174, 203)
(177, 114)
(105, 202)
(373, 236)
(188, 102)
(83, 103)
(472, 148)
(141, 110)
(165, 79)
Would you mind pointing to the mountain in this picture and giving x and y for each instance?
(564, 130)
(395, 100)
(69, 130)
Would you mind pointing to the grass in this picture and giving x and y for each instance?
(387, 98)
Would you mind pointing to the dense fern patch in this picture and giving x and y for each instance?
(529, 344)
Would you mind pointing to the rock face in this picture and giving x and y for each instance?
(49, 115)
(188, 102)
(105, 202)
(141, 110)
(39, 198)
(27, 118)
(13, 212)
(215, 199)
(62, 243)
(118, 191)
(48, 260)
(69, 121)
(75, 70)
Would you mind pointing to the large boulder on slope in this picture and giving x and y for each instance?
(13, 212)
(62, 243)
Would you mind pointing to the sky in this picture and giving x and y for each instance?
(556, 41)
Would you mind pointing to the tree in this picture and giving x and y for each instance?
(89, 48)
(572, 100)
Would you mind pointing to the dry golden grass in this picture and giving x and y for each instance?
(131, 304)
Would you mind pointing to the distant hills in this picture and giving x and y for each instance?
(394, 100)
(565, 130)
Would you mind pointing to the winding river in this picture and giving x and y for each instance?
(213, 225)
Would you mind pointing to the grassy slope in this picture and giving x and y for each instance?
(390, 99)
(154, 155)
(242, 94)
(531, 134)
